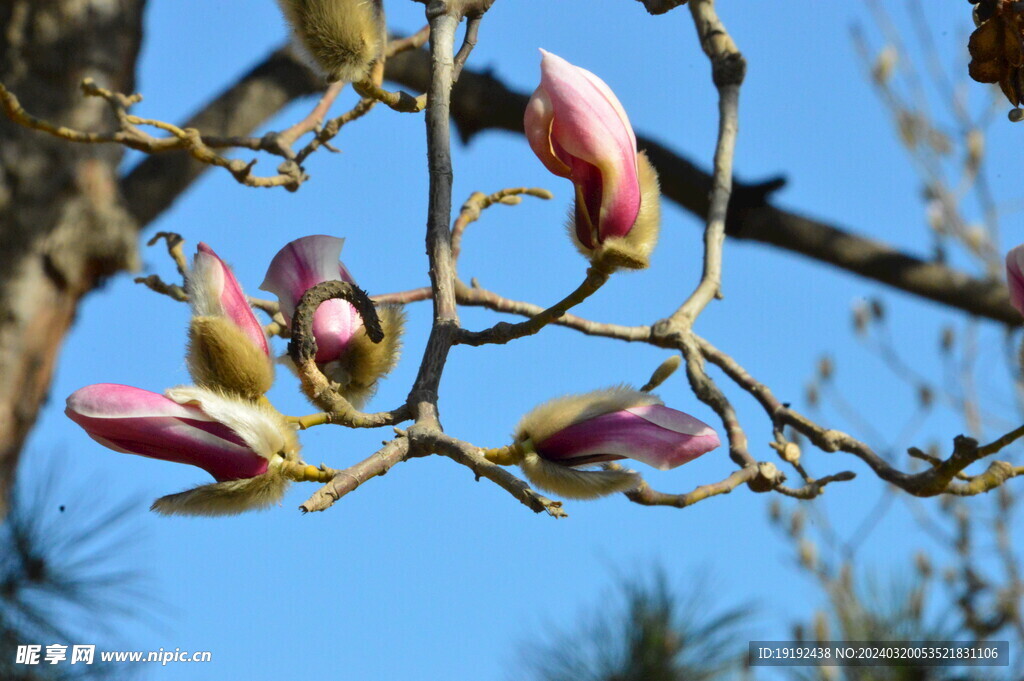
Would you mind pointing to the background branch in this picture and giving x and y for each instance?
(481, 101)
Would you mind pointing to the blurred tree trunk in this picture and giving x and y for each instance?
(68, 220)
(63, 225)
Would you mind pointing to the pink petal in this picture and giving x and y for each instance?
(298, 267)
(661, 437)
(113, 400)
(537, 127)
(234, 305)
(1015, 276)
(301, 265)
(145, 423)
(590, 124)
(334, 324)
(673, 419)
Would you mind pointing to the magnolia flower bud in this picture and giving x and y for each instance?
(579, 130)
(345, 353)
(239, 443)
(344, 37)
(1015, 276)
(601, 426)
(227, 347)
(1015, 281)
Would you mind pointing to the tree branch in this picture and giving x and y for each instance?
(156, 182)
(347, 480)
(423, 396)
(481, 102)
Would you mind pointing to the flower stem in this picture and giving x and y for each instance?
(509, 455)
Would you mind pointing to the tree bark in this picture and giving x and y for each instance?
(63, 225)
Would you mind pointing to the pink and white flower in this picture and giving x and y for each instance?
(574, 431)
(298, 267)
(654, 434)
(214, 292)
(579, 130)
(230, 439)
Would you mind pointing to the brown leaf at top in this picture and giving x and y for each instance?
(986, 71)
(997, 51)
(986, 43)
(1008, 84)
(1013, 47)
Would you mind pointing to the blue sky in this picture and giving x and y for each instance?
(424, 573)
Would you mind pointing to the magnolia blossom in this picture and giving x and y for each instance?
(214, 292)
(1015, 276)
(654, 434)
(229, 439)
(579, 130)
(601, 426)
(298, 267)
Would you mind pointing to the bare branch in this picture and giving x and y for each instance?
(728, 68)
(151, 186)
(347, 480)
(483, 102)
(433, 440)
(814, 488)
(302, 349)
(503, 332)
(423, 396)
(646, 496)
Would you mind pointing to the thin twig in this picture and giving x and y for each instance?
(468, 43)
(478, 202)
(728, 68)
(503, 332)
(646, 496)
(432, 440)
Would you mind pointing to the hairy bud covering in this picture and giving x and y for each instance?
(602, 426)
(227, 347)
(579, 130)
(344, 37)
(345, 354)
(240, 443)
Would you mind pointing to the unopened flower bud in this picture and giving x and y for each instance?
(808, 553)
(975, 149)
(947, 340)
(790, 453)
(821, 626)
(344, 37)
(227, 347)
(579, 130)
(663, 372)
(885, 64)
(923, 564)
(601, 426)
(796, 524)
(825, 367)
(861, 318)
(1015, 276)
(345, 354)
(241, 444)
